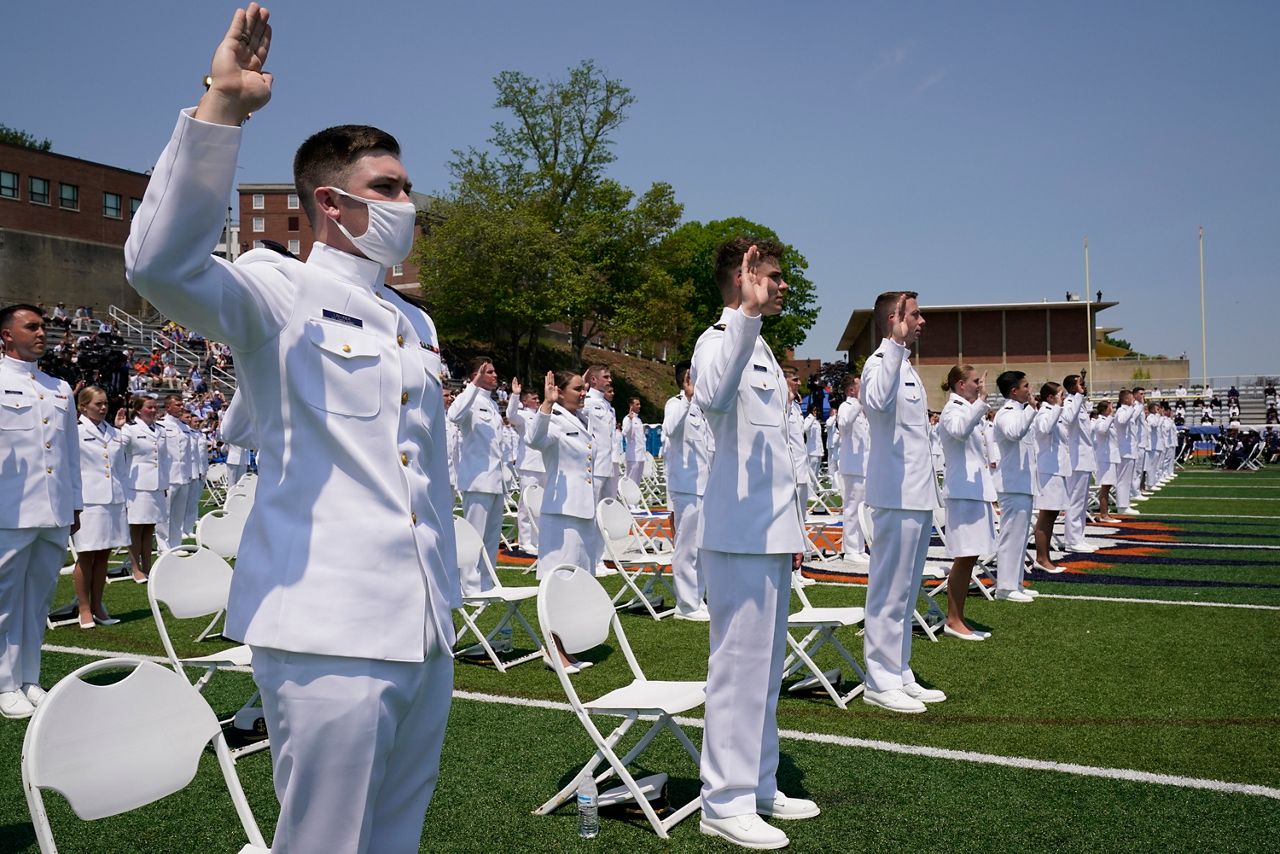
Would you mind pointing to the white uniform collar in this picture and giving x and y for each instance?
(346, 267)
(593, 393)
(14, 365)
(957, 399)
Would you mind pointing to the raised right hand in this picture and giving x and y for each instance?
(550, 393)
(898, 329)
(754, 287)
(239, 86)
(515, 386)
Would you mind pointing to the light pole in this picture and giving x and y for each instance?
(1088, 309)
(1204, 348)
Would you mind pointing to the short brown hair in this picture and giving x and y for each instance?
(886, 303)
(594, 371)
(325, 157)
(729, 257)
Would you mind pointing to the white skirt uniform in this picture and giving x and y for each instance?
(1107, 475)
(971, 528)
(1053, 492)
(102, 526)
(147, 507)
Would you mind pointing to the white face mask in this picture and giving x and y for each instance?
(389, 236)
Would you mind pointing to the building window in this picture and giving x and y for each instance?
(8, 184)
(259, 201)
(295, 246)
(397, 269)
(293, 223)
(134, 204)
(293, 201)
(257, 244)
(68, 196)
(38, 191)
(112, 206)
(259, 224)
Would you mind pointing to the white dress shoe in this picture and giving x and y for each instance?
(1028, 591)
(895, 700)
(34, 693)
(1051, 570)
(1082, 548)
(749, 831)
(699, 615)
(798, 580)
(925, 695)
(787, 809)
(858, 557)
(1012, 596)
(15, 705)
(971, 636)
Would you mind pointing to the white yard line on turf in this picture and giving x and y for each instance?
(1145, 514)
(1222, 486)
(1020, 762)
(1133, 601)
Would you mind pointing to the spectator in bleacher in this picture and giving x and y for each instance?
(103, 522)
(1233, 394)
(1181, 391)
(40, 480)
(59, 316)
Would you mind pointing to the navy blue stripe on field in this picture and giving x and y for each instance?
(1147, 560)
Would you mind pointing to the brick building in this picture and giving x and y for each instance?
(63, 224)
(274, 212)
(1045, 340)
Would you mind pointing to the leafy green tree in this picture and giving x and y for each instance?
(689, 254)
(14, 136)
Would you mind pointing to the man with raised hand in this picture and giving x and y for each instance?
(1075, 412)
(480, 466)
(752, 536)
(902, 492)
(854, 443)
(689, 447)
(347, 572)
(521, 406)
(1016, 486)
(633, 434)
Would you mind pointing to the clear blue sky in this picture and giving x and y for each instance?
(960, 149)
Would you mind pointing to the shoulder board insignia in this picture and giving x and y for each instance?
(416, 302)
(719, 326)
(877, 355)
(280, 248)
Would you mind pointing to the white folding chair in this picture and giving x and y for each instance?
(630, 495)
(470, 551)
(215, 479)
(868, 533)
(625, 548)
(220, 531)
(574, 608)
(820, 626)
(109, 749)
(195, 582)
(652, 484)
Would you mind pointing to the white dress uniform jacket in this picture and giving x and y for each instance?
(1012, 434)
(602, 423)
(528, 458)
(568, 453)
(40, 475)
(147, 457)
(689, 446)
(753, 505)
(1080, 434)
(855, 437)
(900, 474)
(813, 436)
(1124, 433)
(1052, 456)
(480, 427)
(968, 475)
(1106, 443)
(103, 467)
(349, 549)
(181, 455)
(633, 435)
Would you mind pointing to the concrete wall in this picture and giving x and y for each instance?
(37, 268)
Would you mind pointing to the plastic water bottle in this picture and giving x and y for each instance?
(588, 807)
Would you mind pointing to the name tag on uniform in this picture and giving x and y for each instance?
(909, 383)
(425, 346)
(14, 391)
(342, 318)
(574, 433)
(761, 368)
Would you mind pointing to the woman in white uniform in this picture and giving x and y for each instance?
(1052, 464)
(969, 491)
(146, 482)
(566, 527)
(1106, 447)
(102, 522)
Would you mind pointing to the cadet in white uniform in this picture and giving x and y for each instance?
(1052, 464)
(855, 441)
(1083, 464)
(146, 506)
(902, 492)
(833, 440)
(198, 446)
(521, 405)
(752, 536)
(237, 454)
(347, 571)
(971, 521)
(1138, 425)
(1016, 486)
(480, 466)
(1106, 450)
(103, 525)
(169, 536)
(813, 442)
(689, 446)
(40, 481)
(633, 442)
(1126, 415)
(603, 423)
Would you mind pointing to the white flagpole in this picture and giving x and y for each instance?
(1204, 348)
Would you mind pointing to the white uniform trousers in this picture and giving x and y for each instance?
(355, 747)
(195, 491)
(1124, 484)
(1011, 547)
(893, 583)
(1150, 468)
(1077, 507)
(604, 487)
(234, 473)
(635, 471)
(748, 597)
(169, 532)
(815, 468)
(686, 561)
(1168, 462)
(854, 493)
(29, 562)
(1138, 467)
(566, 540)
(526, 525)
(484, 511)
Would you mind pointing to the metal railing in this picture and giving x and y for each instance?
(152, 337)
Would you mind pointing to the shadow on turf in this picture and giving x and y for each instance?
(17, 837)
